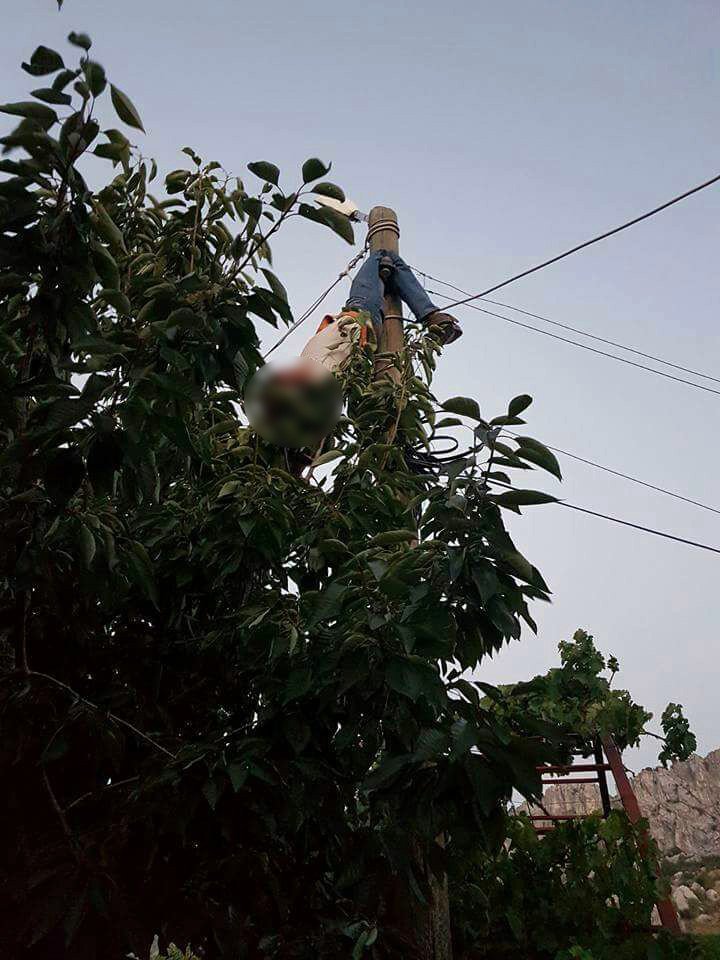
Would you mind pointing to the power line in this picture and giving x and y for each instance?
(574, 343)
(584, 333)
(624, 523)
(588, 243)
(638, 526)
(625, 476)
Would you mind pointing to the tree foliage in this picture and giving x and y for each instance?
(235, 705)
(577, 698)
(588, 883)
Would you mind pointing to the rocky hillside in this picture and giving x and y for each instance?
(682, 805)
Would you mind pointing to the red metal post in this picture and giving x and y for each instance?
(666, 908)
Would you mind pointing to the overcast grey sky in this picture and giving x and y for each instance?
(502, 133)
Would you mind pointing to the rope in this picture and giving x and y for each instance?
(313, 306)
(391, 225)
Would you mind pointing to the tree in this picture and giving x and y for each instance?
(576, 698)
(234, 703)
(591, 883)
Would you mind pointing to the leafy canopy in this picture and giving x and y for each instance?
(234, 700)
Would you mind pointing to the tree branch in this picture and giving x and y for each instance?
(93, 706)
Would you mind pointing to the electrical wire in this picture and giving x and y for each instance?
(575, 343)
(638, 526)
(625, 476)
(428, 463)
(565, 326)
(588, 243)
(624, 523)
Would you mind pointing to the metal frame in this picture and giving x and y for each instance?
(607, 759)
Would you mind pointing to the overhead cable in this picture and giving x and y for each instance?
(588, 243)
(626, 476)
(624, 523)
(565, 326)
(576, 343)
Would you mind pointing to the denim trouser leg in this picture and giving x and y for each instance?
(367, 289)
(410, 290)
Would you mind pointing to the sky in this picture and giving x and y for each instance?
(502, 134)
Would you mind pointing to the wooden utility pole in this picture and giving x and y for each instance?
(384, 234)
(430, 926)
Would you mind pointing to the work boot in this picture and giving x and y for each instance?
(443, 327)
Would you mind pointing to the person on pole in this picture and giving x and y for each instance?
(382, 272)
(295, 405)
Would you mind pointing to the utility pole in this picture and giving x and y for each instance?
(384, 234)
(429, 926)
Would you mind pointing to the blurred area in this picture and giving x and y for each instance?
(293, 404)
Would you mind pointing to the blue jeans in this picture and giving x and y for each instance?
(367, 289)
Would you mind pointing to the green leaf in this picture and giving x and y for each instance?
(298, 684)
(86, 543)
(117, 299)
(210, 792)
(125, 108)
(80, 40)
(326, 189)
(518, 404)
(30, 110)
(66, 412)
(142, 569)
(407, 675)
(539, 454)
(523, 498)
(63, 79)
(431, 743)
(111, 151)
(386, 770)
(329, 604)
(465, 406)
(106, 227)
(327, 457)
(265, 171)
(49, 95)
(313, 169)
(43, 61)
(238, 773)
(337, 222)
(176, 431)
(228, 488)
(275, 285)
(95, 76)
(388, 537)
(522, 567)
(506, 421)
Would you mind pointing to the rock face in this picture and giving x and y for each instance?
(684, 899)
(682, 805)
